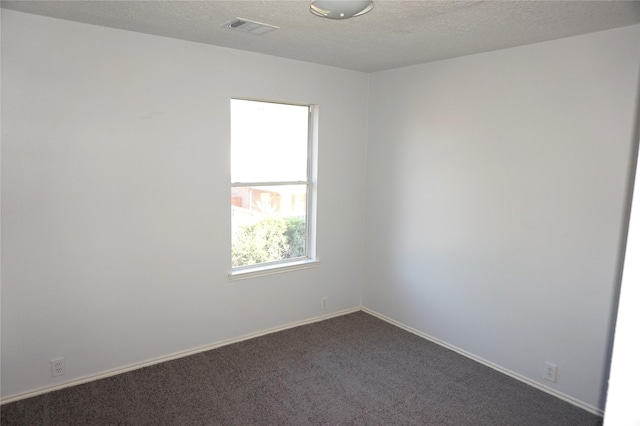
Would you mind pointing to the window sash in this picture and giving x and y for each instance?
(279, 183)
(309, 185)
(303, 188)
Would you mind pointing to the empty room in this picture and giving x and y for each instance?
(327, 212)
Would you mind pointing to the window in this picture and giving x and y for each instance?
(271, 185)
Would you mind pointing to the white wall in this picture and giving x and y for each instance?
(624, 382)
(115, 197)
(496, 189)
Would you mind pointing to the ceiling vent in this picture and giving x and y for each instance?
(249, 26)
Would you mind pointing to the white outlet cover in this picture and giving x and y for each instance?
(550, 372)
(57, 367)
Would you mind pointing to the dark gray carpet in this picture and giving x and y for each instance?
(350, 370)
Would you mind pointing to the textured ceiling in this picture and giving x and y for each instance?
(396, 33)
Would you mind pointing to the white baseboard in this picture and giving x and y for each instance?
(587, 407)
(176, 355)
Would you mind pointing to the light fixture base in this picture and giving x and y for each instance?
(340, 9)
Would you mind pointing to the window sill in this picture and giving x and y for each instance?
(260, 271)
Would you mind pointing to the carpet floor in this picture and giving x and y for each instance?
(350, 370)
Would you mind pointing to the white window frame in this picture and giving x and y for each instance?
(310, 260)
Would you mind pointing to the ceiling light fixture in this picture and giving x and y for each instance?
(340, 9)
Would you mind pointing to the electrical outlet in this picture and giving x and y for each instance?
(324, 302)
(57, 367)
(550, 372)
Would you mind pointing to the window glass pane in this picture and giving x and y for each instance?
(268, 142)
(268, 223)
